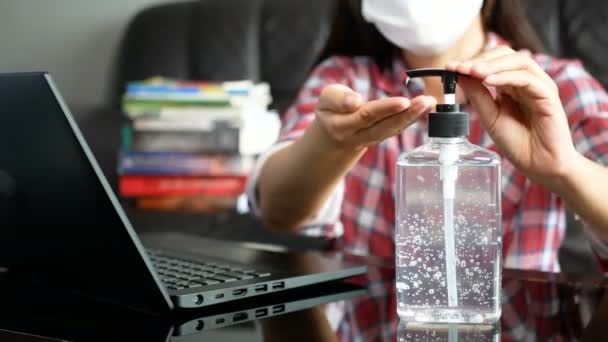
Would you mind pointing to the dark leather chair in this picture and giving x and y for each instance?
(276, 41)
(280, 41)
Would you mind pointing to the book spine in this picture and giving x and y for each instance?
(133, 186)
(187, 113)
(153, 99)
(193, 204)
(223, 139)
(183, 164)
(162, 125)
(127, 138)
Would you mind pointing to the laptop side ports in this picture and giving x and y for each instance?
(238, 317)
(261, 288)
(279, 285)
(239, 292)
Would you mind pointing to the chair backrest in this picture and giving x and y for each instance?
(584, 34)
(276, 41)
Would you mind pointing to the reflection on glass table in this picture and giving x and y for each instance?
(536, 306)
(420, 332)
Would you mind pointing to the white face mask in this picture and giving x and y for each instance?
(423, 27)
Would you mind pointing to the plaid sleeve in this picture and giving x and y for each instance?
(586, 105)
(335, 70)
(295, 121)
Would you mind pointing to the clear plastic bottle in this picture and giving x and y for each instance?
(448, 234)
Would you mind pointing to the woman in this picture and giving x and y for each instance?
(336, 157)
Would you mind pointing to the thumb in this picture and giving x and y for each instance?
(339, 98)
(481, 99)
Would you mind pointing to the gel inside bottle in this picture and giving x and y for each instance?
(448, 223)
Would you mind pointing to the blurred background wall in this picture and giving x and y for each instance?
(76, 40)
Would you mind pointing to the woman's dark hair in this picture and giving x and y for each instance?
(351, 35)
(509, 20)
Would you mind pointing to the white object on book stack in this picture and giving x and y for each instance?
(259, 132)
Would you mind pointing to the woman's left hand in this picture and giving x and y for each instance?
(525, 119)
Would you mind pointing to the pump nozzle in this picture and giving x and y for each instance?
(448, 78)
(448, 121)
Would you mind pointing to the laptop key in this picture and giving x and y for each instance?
(191, 276)
(231, 274)
(245, 276)
(208, 281)
(209, 269)
(196, 269)
(194, 284)
(222, 278)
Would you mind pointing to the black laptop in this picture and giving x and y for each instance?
(62, 226)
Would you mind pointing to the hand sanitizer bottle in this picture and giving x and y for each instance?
(448, 221)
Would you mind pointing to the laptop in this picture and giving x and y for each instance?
(62, 225)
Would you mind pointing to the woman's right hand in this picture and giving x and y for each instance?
(343, 129)
(351, 124)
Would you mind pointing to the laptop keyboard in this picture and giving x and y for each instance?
(179, 273)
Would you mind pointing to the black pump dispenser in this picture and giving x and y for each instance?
(448, 121)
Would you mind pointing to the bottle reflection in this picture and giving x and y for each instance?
(427, 332)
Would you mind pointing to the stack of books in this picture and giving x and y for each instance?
(191, 145)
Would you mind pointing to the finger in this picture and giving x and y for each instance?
(465, 67)
(481, 98)
(377, 110)
(519, 79)
(515, 61)
(367, 115)
(339, 99)
(394, 124)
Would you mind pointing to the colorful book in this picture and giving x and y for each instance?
(183, 164)
(163, 89)
(193, 204)
(159, 100)
(258, 132)
(133, 186)
(202, 93)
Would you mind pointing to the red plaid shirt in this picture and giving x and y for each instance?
(534, 219)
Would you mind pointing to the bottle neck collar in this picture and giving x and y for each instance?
(454, 140)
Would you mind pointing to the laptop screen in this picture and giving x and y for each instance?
(60, 221)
